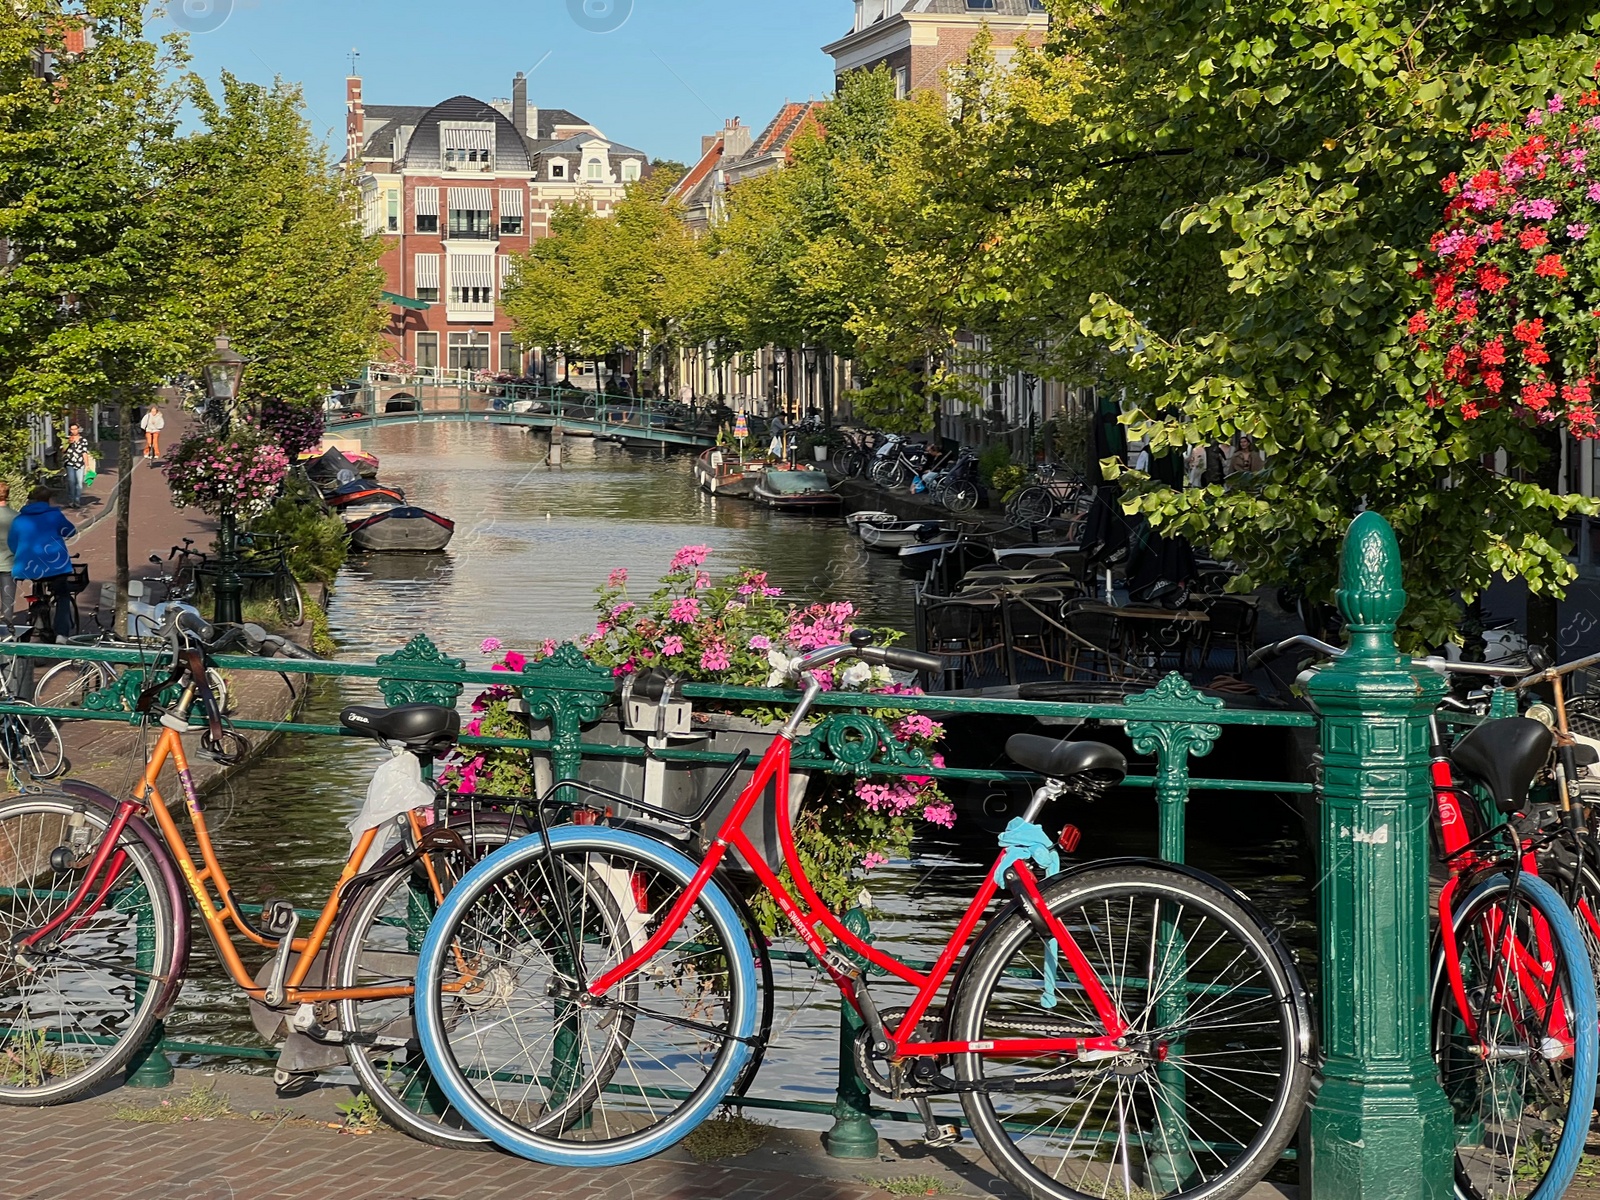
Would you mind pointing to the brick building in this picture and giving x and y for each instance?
(732, 155)
(918, 40)
(455, 190)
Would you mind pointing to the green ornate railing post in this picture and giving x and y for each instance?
(150, 1067)
(853, 1135)
(1173, 730)
(1381, 1126)
(566, 690)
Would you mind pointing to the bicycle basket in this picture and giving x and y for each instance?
(80, 579)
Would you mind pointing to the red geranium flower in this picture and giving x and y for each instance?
(1550, 267)
(1529, 331)
(1497, 231)
(1494, 353)
(1538, 394)
(1491, 278)
(1418, 324)
(1469, 410)
(1466, 310)
(1494, 381)
(1536, 354)
(1532, 239)
(1449, 184)
(1576, 393)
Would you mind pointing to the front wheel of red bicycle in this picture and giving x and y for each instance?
(1211, 1087)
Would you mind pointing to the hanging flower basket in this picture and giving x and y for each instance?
(238, 473)
(295, 427)
(1514, 320)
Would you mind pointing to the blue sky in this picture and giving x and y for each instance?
(670, 72)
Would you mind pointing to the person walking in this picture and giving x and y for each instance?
(37, 540)
(152, 423)
(72, 455)
(8, 583)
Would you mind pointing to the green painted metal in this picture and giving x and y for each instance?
(851, 736)
(1380, 1125)
(150, 1067)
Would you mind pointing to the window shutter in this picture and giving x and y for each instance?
(510, 202)
(426, 200)
(470, 200)
(428, 271)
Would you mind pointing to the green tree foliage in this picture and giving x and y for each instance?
(1315, 140)
(275, 255)
(631, 280)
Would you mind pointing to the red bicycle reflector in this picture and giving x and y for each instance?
(1071, 835)
(641, 894)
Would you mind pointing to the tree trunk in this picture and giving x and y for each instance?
(125, 429)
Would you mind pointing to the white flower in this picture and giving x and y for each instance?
(783, 667)
(855, 675)
(882, 676)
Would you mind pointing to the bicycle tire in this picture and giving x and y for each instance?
(32, 744)
(69, 683)
(137, 923)
(620, 1124)
(1032, 505)
(1556, 1087)
(961, 498)
(994, 1000)
(886, 474)
(363, 952)
(850, 463)
(291, 604)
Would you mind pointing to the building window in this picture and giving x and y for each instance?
(595, 167)
(394, 211)
(469, 223)
(472, 295)
(427, 223)
(558, 170)
(980, 5)
(469, 352)
(902, 82)
(429, 295)
(630, 171)
(510, 355)
(427, 351)
(512, 225)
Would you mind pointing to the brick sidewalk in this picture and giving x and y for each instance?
(82, 1151)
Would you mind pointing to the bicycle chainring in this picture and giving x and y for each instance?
(895, 1080)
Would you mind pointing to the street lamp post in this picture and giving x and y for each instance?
(223, 375)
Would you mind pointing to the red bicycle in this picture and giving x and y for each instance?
(1513, 1012)
(587, 996)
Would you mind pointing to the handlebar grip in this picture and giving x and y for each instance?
(289, 649)
(1260, 656)
(905, 660)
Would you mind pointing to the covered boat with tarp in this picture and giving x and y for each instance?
(797, 489)
(405, 529)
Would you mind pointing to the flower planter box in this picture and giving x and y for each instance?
(683, 787)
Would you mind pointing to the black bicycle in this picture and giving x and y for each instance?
(266, 566)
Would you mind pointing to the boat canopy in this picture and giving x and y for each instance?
(796, 483)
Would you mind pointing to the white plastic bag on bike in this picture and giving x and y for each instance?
(396, 788)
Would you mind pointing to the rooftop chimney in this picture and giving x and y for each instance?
(519, 104)
(355, 120)
(735, 139)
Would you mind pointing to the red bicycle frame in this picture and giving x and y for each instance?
(808, 912)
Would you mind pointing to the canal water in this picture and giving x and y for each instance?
(532, 544)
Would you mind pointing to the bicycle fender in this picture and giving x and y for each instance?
(1302, 998)
(146, 833)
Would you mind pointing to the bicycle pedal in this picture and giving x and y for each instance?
(946, 1135)
(279, 917)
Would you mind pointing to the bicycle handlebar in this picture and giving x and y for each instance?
(1443, 666)
(887, 656)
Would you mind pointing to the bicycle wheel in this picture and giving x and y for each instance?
(76, 1011)
(616, 1078)
(961, 497)
(291, 604)
(1214, 1084)
(68, 684)
(1032, 505)
(375, 944)
(32, 744)
(851, 463)
(1518, 1066)
(887, 474)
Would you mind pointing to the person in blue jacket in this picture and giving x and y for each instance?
(38, 544)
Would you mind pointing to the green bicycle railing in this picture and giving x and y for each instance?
(1373, 798)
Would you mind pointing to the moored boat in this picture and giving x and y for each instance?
(796, 490)
(857, 520)
(891, 539)
(719, 474)
(359, 494)
(405, 528)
